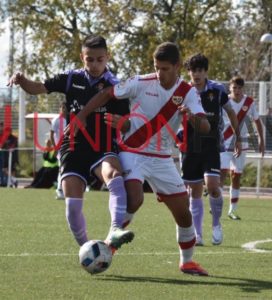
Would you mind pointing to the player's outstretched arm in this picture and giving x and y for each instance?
(30, 86)
(117, 121)
(199, 122)
(95, 102)
(235, 127)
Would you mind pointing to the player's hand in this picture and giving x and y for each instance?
(184, 109)
(16, 78)
(119, 122)
(73, 128)
(112, 119)
(237, 148)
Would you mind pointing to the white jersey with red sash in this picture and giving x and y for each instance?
(246, 111)
(154, 117)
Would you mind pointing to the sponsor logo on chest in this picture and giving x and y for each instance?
(81, 87)
(152, 94)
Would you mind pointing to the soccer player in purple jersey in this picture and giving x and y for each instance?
(80, 157)
(201, 159)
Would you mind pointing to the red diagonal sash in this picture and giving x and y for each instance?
(150, 128)
(240, 116)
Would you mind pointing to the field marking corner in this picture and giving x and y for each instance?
(251, 246)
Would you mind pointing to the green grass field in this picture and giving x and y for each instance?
(39, 258)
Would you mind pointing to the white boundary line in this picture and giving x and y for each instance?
(251, 246)
(131, 254)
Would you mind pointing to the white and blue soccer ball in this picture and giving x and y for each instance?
(95, 256)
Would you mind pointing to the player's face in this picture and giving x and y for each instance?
(167, 73)
(236, 91)
(94, 60)
(198, 77)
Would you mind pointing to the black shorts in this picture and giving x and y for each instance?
(195, 165)
(82, 160)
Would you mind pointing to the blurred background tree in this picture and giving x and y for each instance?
(228, 33)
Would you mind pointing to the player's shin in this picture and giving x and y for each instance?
(216, 205)
(76, 220)
(197, 210)
(117, 201)
(234, 198)
(186, 240)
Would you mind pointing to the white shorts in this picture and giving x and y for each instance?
(161, 173)
(229, 162)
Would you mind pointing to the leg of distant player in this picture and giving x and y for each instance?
(234, 195)
(197, 209)
(73, 188)
(110, 172)
(216, 205)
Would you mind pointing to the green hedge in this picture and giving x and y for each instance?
(249, 177)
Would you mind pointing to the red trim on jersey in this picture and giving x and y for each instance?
(187, 245)
(240, 116)
(142, 134)
(163, 197)
(234, 200)
(147, 153)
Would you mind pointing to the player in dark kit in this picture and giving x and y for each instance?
(93, 150)
(201, 154)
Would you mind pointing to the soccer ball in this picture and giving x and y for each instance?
(95, 256)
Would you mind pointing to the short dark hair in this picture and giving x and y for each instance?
(94, 41)
(237, 80)
(197, 61)
(167, 52)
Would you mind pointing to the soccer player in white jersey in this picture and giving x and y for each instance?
(246, 111)
(56, 135)
(157, 102)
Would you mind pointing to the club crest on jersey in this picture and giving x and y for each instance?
(177, 100)
(244, 108)
(210, 96)
(100, 86)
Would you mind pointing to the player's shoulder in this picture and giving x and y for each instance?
(215, 85)
(75, 72)
(147, 77)
(186, 84)
(110, 77)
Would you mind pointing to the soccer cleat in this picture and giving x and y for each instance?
(193, 268)
(232, 215)
(205, 193)
(199, 241)
(118, 236)
(59, 195)
(217, 235)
